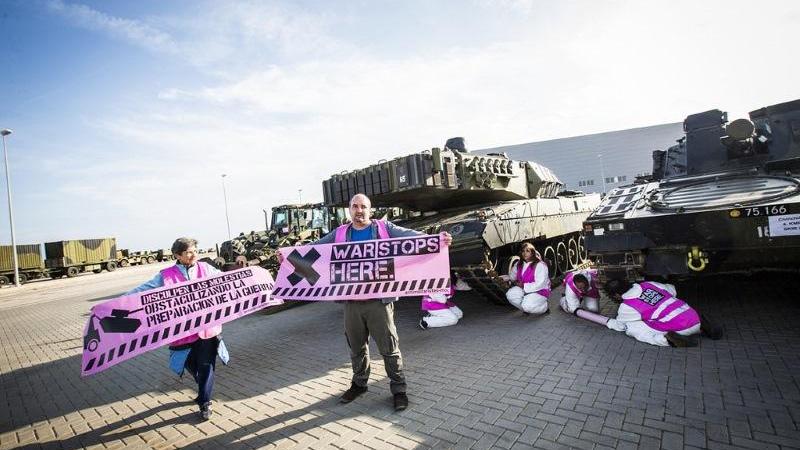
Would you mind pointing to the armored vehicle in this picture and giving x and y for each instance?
(725, 199)
(127, 258)
(291, 225)
(488, 203)
(73, 257)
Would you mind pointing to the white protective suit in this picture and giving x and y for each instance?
(527, 298)
(589, 301)
(439, 311)
(630, 321)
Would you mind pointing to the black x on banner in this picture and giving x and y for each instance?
(302, 267)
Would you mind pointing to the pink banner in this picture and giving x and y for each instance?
(364, 270)
(130, 325)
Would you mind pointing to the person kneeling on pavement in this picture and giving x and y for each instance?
(650, 312)
(531, 282)
(580, 291)
(439, 310)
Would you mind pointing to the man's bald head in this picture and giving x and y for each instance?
(360, 211)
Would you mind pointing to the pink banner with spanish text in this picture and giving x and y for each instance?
(364, 270)
(130, 325)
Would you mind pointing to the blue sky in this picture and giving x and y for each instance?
(126, 113)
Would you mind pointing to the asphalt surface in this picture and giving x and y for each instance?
(498, 379)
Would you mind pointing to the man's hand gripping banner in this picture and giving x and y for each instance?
(130, 325)
(364, 270)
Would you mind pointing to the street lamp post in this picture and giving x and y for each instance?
(300, 196)
(602, 172)
(5, 132)
(225, 196)
(266, 219)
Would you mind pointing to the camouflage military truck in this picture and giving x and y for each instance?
(488, 203)
(725, 199)
(29, 262)
(73, 257)
(291, 225)
(127, 258)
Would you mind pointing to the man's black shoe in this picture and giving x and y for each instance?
(423, 324)
(710, 329)
(679, 340)
(352, 393)
(400, 401)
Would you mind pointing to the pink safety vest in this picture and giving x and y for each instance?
(341, 231)
(529, 276)
(172, 275)
(429, 305)
(591, 275)
(661, 311)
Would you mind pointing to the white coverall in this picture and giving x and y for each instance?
(526, 298)
(630, 321)
(441, 317)
(570, 301)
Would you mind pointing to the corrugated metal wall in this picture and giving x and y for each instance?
(84, 251)
(29, 256)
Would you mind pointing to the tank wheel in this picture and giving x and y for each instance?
(574, 253)
(150, 260)
(549, 256)
(111, 266)
(562, 258)
(4, 280)
(72, 272)
(124, 263)
(584, 255)
(93, 345)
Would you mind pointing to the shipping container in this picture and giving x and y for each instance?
(29, 256)
(72, 257)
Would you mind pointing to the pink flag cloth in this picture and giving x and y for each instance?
(130, 325)
(363, 270)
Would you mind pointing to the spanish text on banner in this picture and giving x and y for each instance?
(126, 326)
(364, 270)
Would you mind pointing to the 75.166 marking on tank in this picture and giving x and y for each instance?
(763, 211)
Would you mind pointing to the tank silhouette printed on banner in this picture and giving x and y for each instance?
(488, 203)
(725, 199)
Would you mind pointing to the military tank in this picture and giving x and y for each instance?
(490, 204)
(725, 199)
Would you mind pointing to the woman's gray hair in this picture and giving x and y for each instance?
(182, 244)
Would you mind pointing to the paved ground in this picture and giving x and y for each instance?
(498, 379)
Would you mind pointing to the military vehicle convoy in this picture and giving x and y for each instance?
(488, 203)
(290, 225)
(725, 199)
(61, 258)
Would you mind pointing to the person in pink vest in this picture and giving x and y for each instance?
(439, 310)
(198, 352)
(580, 291)
(372, 318)
(531, 282)
(650, 312)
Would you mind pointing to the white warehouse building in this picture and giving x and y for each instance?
(598, 162)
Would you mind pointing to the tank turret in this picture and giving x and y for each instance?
(453, 177)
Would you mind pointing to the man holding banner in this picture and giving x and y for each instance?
(366, 316)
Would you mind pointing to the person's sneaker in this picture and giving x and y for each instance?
(679, 340)
(205, 411)
(710, 329)
(352, 393)
(462, 285)
(423, 324)
(400, 401)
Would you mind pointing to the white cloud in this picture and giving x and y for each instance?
(133, 31)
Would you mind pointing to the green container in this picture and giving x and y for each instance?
(80, 252)
(28, 257)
